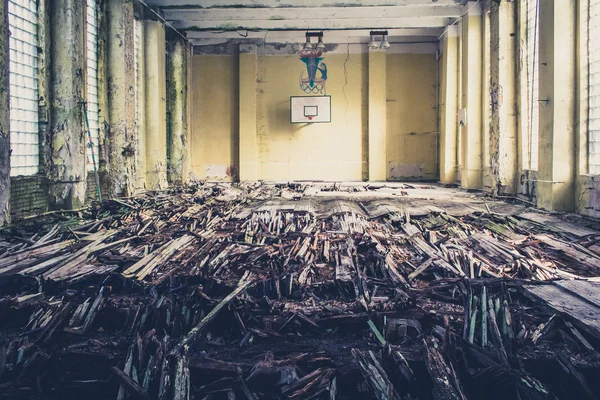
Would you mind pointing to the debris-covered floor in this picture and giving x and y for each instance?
(300, 291)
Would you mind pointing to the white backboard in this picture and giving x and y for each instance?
(310, 109)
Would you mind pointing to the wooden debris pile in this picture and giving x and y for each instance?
(235, 291)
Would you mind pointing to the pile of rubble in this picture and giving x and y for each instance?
(207, 293)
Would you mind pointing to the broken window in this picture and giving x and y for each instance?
(594, 93)
(92, 81)
(23, 71)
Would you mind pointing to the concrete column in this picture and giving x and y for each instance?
(472, 74)
(247, 113)
(558, 96)
(156, 123)
(44, 63)
(121, 97)
(140, 60)
(503, 87)
(178, 110)
(449, 106)
(4, 118)
(377, 115)
(67, 169)
(103, 108)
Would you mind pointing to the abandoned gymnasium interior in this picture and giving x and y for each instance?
(300, 199)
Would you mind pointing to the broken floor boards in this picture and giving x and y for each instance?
(295, 291)
(576, 300)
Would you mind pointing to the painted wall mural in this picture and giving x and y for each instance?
(309, 82)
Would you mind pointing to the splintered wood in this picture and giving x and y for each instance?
(258, 291)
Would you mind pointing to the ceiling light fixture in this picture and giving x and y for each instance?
(307, 45)
(317, 46)
(373, 43)
(320, 44)
(384, 41)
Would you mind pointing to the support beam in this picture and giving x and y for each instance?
(558, 95)
(377, 115)
(329, 36)
(309, 24)
(449, 107)
(503, 82)
(247, 113)
(472, 70)
(178, 112)
(4, 118)
(140, 61)
(121, 98)
(156, 125)
(295, 4)
(382, 13)
(67, 169)
(103, 108)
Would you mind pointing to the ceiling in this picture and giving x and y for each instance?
(211, 22)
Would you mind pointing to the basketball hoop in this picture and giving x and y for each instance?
(310, 117)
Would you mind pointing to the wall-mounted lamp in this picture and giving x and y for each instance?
(374, 44)
(319, 45)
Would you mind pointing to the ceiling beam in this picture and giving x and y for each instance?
(166, 4)
(310, 24)
(282, 40)
(313, 13)
(295, 36)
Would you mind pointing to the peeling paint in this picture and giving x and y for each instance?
(67, 169)
(503, 125)
(121, 98)
(155, 95)
(178, 98)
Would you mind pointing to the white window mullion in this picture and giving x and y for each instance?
(23, 71)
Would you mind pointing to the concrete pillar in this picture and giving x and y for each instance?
(156, 123)
(67, 169)
(121, 141)
(558, 96)
(247, 113)
(449, 106)
(472, 75)
(44, 64)
(178, 111)
(103, 108)
(4, 118)
(377, 115)
(503, 90)
(140, 106)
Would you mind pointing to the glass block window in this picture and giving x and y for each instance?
(594, 93)
(23, 73)
(92, 81)
(533, 78)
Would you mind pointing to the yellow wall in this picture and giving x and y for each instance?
(330, 151)
(214, 137)
(412, 137)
